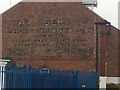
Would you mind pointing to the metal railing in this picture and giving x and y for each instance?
(27, 77)
(3, 63)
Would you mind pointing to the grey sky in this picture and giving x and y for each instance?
(108, 9)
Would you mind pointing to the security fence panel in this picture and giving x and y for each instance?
(27, 77)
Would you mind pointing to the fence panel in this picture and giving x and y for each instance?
(27, 77)
(88, 79)
(17, 77)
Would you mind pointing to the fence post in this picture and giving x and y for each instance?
(77, 79)
(14, 75)
(2, 72)
(3, 76)
(0, 77)
(30, 71)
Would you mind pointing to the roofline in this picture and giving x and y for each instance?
(51, 0)
(57, 1)
(10, 8)
(102, 18)
(115, 28)
(94, 3)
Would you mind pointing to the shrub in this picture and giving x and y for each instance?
(111, 86)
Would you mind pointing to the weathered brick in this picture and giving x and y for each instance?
(42, 29)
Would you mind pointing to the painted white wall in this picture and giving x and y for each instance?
(105, 80)
(102, 84)
(115, 80)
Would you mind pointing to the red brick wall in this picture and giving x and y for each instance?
(0, 36)
(119, 51)
(54, 35)
(102, 48)
(112, 69)
(108, 51)
(73, 48)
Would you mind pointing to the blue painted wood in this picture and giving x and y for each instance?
(26, 77)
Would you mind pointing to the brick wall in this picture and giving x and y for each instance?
(54, 35)
(119, 50)
(0, 36)
(112, 69)
(108, 51)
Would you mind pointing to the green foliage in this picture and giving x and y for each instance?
(98, 82)
(112, 86)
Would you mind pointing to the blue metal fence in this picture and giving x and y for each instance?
(27, 77)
